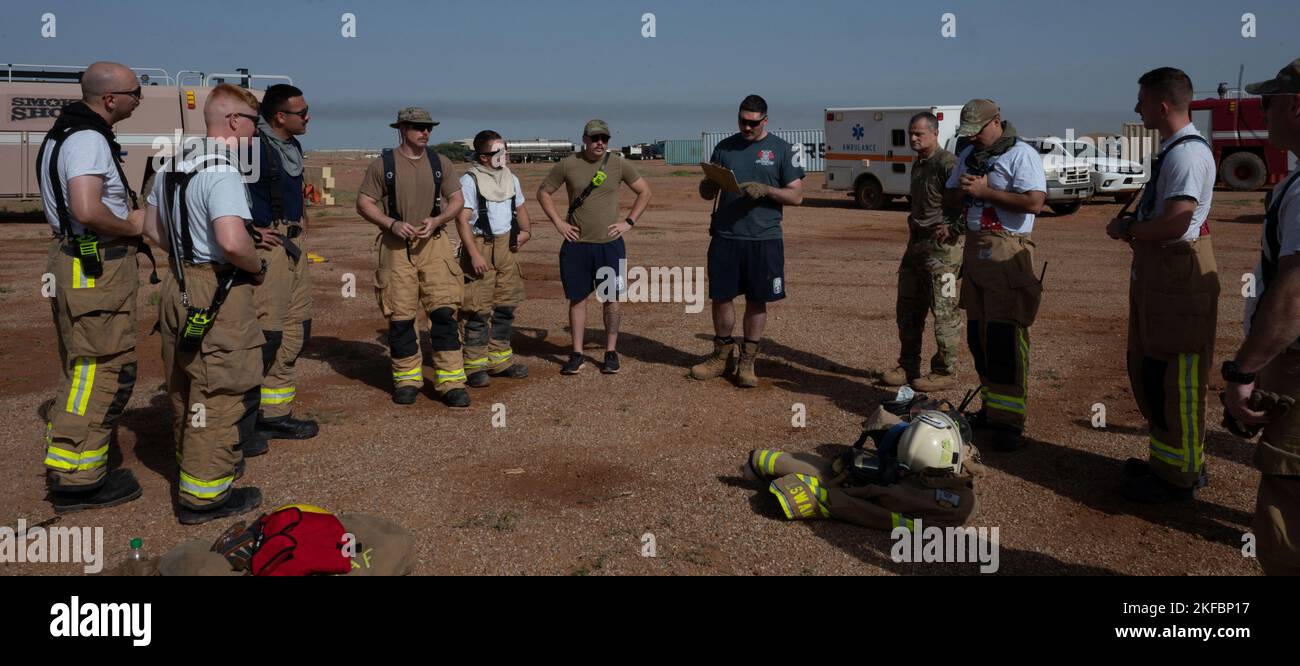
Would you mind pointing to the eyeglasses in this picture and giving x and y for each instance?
(599, 138)
(419, 127)
(251, 118)
(137, 93)
(751, 123)
(301, 114)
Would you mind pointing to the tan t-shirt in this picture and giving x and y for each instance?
(601, 207)
(414, 185)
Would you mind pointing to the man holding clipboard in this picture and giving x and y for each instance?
(756, 174)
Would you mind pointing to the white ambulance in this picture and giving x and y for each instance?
(868, 151)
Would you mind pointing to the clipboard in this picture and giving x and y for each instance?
(722, 176)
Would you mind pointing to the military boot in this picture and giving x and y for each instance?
(934, 382)
(899, 376)
(745, 376)
(716, 365)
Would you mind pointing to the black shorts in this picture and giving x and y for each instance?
(580, 265)
(755, 268)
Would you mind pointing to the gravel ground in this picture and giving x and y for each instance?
(588, 465)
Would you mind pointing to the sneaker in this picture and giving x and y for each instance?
(934, 382)
(119, 487)
(478, 379)
(406, 395)
(456, 398)
(515, 371)
(573, 365)
(611, 363)
(240, 500)
(287, 427)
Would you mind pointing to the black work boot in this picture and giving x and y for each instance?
(406, 395)
(240, 500)
(257, 444)
(515, 371)
(1143, 485)
(478, 379)
(287, 427)
(119, 487)
(456, 398)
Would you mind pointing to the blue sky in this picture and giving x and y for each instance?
(543, 68)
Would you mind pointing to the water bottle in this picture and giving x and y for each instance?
(136, 554)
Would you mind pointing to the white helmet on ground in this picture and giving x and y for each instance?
(932, 439)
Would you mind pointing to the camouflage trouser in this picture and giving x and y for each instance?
(924, 286)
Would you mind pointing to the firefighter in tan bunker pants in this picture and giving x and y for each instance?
(1000, 182)
(211, 343)
(1173, 296)
(418, 270)
(92, 260)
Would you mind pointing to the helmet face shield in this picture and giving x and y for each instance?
(932, 440)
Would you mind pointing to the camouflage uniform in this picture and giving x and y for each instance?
(923, 272)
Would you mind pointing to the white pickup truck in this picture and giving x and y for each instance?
(1069, 177)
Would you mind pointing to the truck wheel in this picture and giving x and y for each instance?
(1243, 171)
(869, 194)
(1068, 208)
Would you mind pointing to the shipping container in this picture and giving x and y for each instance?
(811, 143)
(682, 151)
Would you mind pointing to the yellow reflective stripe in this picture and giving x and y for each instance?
(1005, 403)
(762, 461)
(408, 374)
(501, 355)
(79, 278)
(1189, 389)
(476, 363)
(1169, 454)
(72, 461)
(205, 489)
(771, 462)
(83, 382)
(450, 376)
(280, 396)
(898, 520)
(785, 507)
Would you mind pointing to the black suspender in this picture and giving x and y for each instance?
(1273, 234)
(596, 181)
(1147, 206)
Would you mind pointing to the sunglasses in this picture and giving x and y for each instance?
(137, 93)
(419, 127)
(599, 138)
(251, 118)
(301, 114)
(751, 123)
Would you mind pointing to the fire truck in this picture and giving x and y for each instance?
(1238, 135)
(32, 96)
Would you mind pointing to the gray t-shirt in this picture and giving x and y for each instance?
(770, 161)
(216, 191)
(1188, 172)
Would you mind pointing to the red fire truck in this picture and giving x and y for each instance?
(1238, 134)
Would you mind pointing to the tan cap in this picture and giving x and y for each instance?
(413, 114)
(594, 127)
(1286, 82)
(975, 115)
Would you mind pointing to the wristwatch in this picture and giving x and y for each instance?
(630, 222)
(1233, 375)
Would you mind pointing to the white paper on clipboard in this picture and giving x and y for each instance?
(722, 176)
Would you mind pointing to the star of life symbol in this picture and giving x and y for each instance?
(858, 132)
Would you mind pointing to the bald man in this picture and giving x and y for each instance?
(91, 210)
(211, 344)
